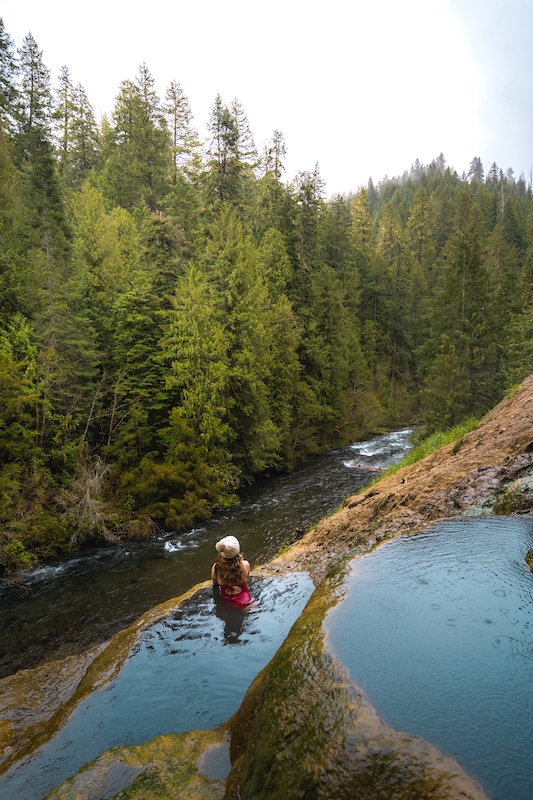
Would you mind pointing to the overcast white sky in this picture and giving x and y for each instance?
(363, 88)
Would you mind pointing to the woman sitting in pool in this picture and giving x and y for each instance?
(230, 573)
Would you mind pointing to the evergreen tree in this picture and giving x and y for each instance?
(198, 350)
(163, 256)
(286, 387)
(231, 154)
(48, 288)
(518, 363)
(514, 225)
(308, 190)
(219, 342)
(35, 93)
(86, 139)
(493, 175)
(274, 262)
(106, 257)
(275, 205)
(273, 156)
(106, 245)
(420, 231)
(10, 213)
(362, 228)
(393, 318)
(443, 198)
(223, 165)
(137, 148)
(185, 143)
(77, 134)
(362, 239)
(476, 173)
(64, 112)
(336, 239)
(371, 271)
(504, 269)
(8, 81)
(139, 404)
(183, 200)
(464, 309)
(519, 347)
(17, 431)
(446, 394)
(231, 262)
(247, 151)
(327, 354)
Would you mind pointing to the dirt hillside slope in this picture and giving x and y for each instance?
(489, 471)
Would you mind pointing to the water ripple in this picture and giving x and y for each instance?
(424, 633)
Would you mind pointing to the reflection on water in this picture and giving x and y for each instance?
(436, 630)
(66, 608)
(188, 671)
(234, 619)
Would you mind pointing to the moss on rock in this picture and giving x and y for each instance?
(166, 767)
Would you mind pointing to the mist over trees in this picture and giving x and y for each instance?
(177, 317)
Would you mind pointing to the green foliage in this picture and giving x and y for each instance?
(446, 378)
(173, 324)
(14, 557)
(182, 486)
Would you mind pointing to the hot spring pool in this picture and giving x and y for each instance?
(188, 671)
(436, 629)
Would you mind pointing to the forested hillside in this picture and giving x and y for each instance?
(178, 316)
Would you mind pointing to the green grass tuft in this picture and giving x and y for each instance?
(432, 443)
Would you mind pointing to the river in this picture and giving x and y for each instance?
(64, 608)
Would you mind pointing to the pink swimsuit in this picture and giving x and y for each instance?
(243, 598)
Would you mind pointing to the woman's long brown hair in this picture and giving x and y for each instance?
(230, 571)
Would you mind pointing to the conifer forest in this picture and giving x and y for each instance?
(179, 317)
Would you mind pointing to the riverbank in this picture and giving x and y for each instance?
(489, 471)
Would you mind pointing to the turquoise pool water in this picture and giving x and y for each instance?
(189, 671)
(436, 629)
